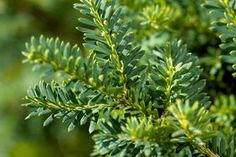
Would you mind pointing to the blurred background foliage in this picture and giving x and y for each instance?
(19, 19)
(155, 24)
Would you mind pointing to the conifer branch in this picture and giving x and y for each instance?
(225, 24)
(132, 109)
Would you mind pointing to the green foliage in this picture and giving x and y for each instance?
(225, 25)
(223, 112)
(157, 137)
(175, 75)
(224, 108)
(138, 101)
(59, 55)
(110, 41)
(153, 15)
(18, 21)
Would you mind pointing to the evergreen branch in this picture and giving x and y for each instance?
(149, 16)
(224, 23)
(223, 145)
(136, 111)
(109, 39)
(175, 75)
(102, 24)
(92, 75)
(192, 124)
(58, 54)
(224, 110)
(158, 16)
(187, 124)
(207, 151)
(63, 103)
(62, 57)
(136, 137)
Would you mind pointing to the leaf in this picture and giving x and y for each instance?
(71, 127)
(48, 120)
(93, 125)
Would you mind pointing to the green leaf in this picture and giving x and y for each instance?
(93, 125)
(48, 120)
(71, 127)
